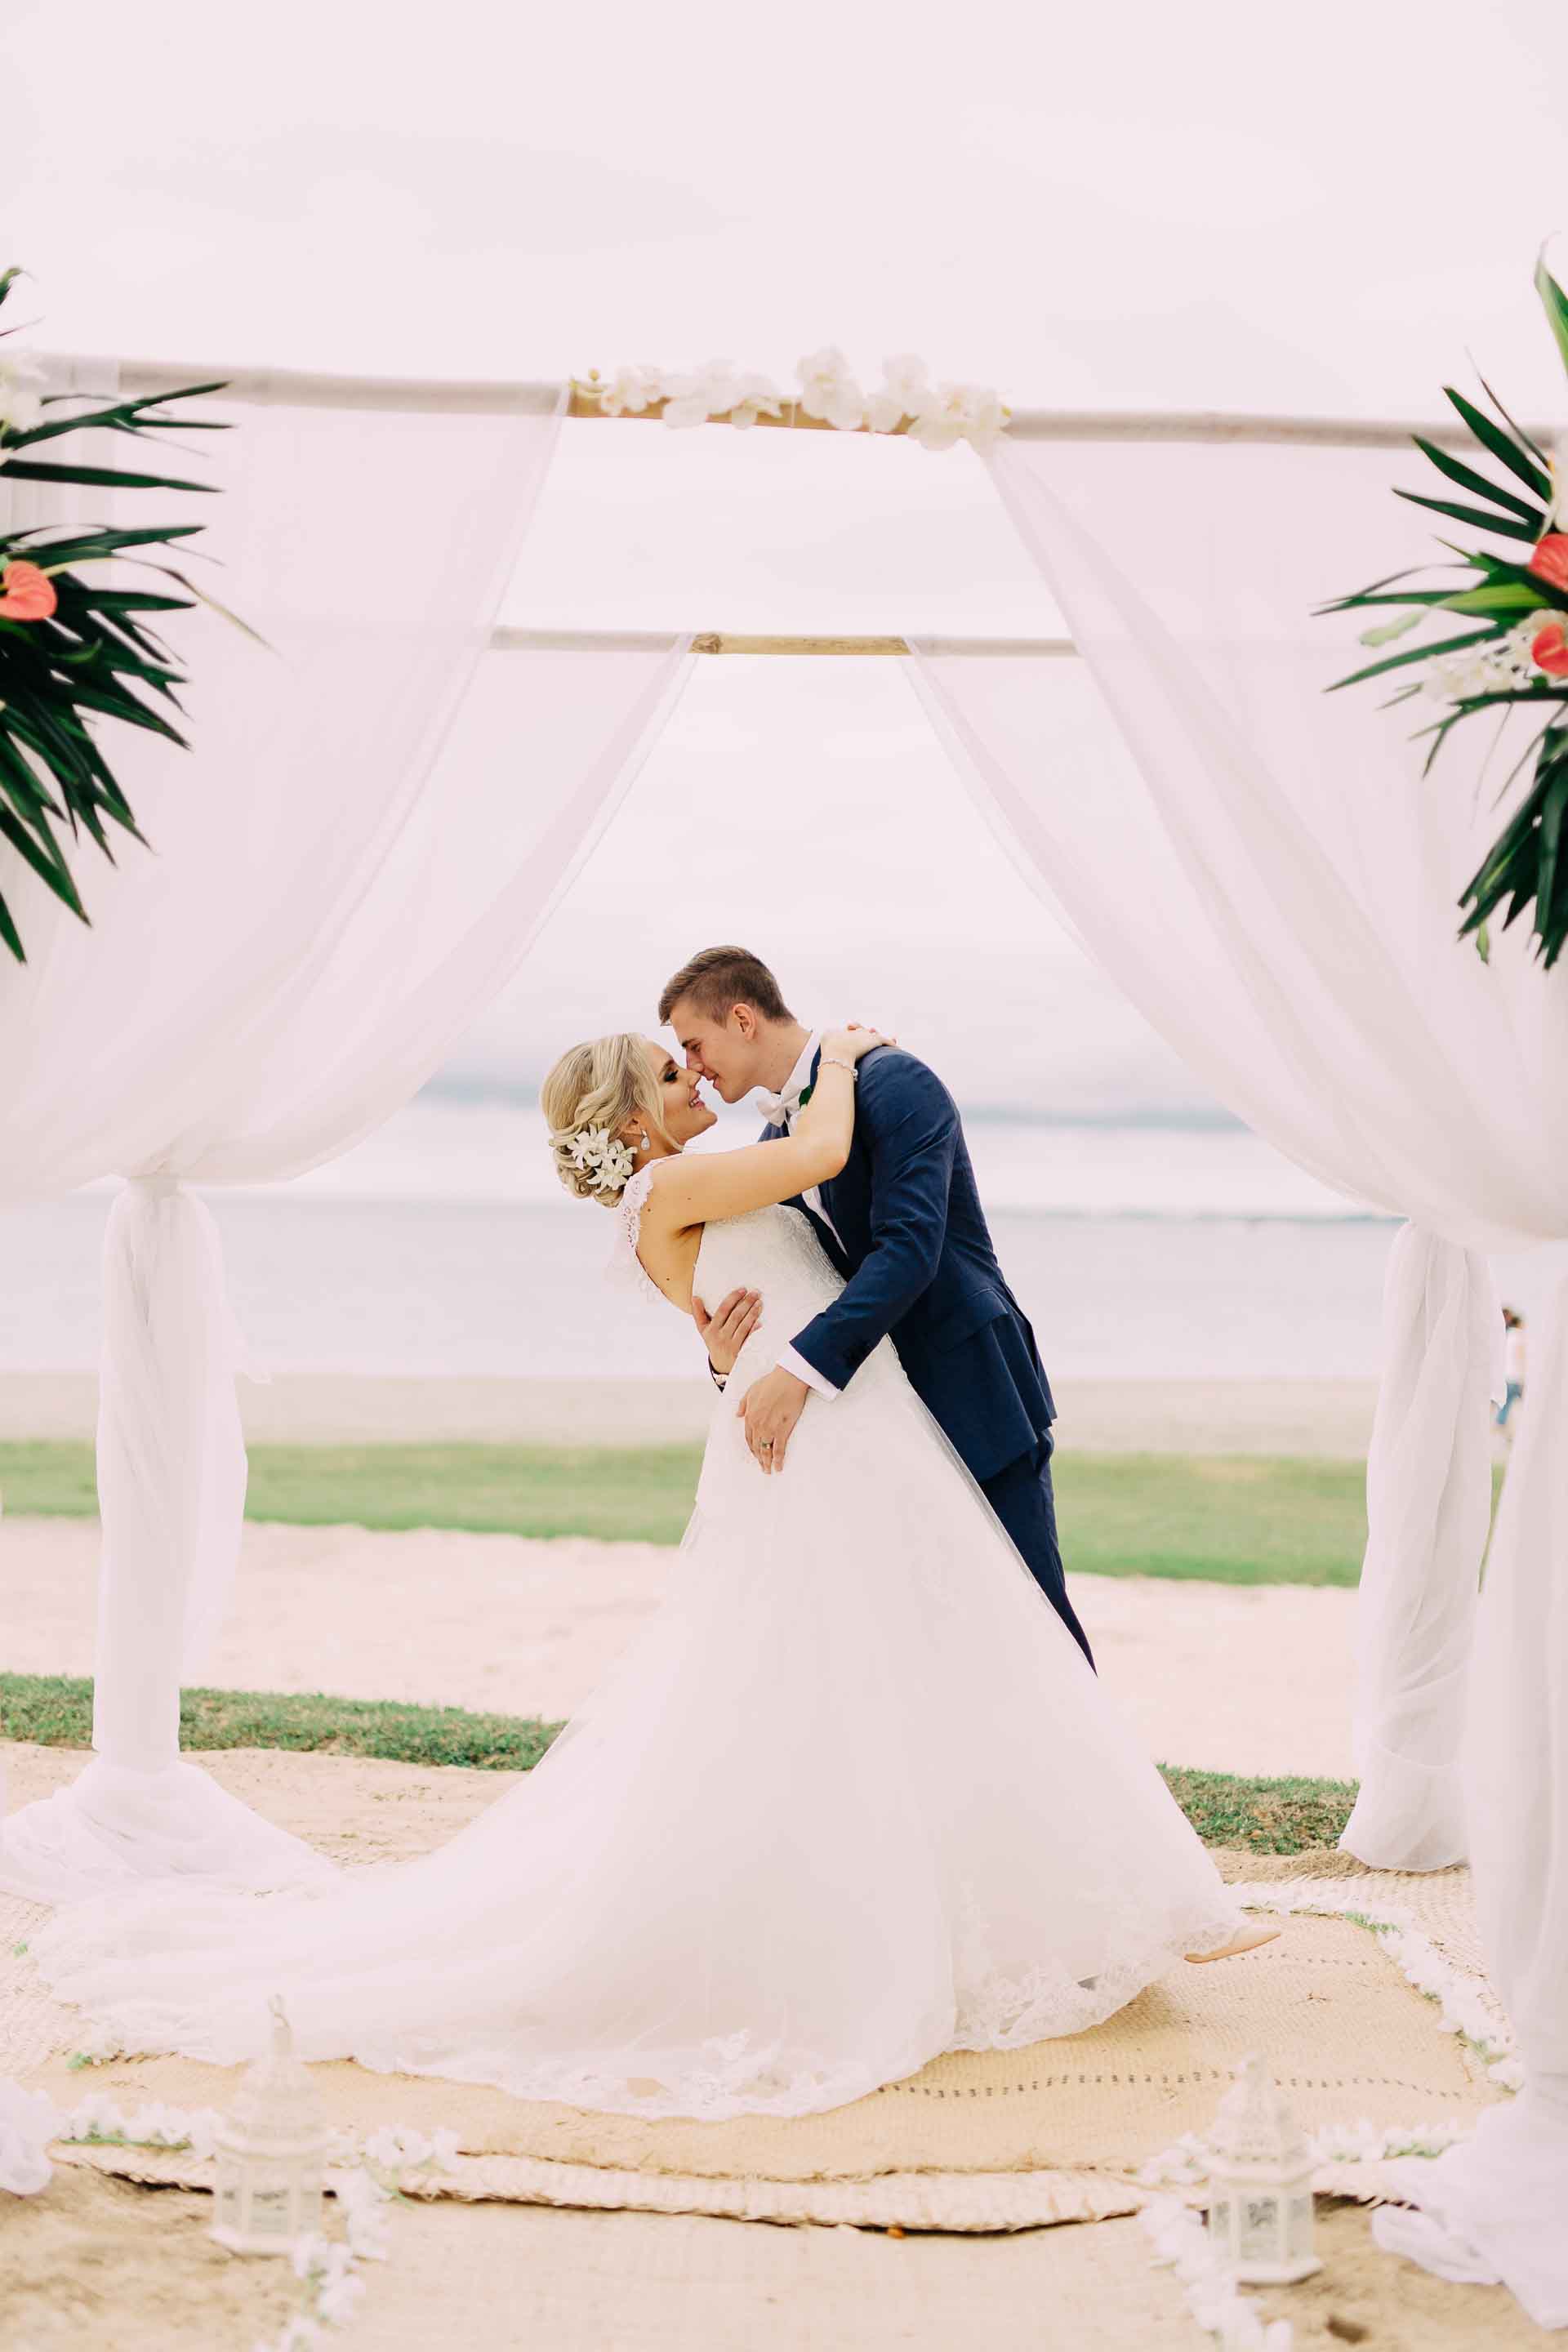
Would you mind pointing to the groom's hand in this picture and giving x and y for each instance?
(770, 1409)
(726, 1332)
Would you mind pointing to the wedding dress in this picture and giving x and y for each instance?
(853, 1798)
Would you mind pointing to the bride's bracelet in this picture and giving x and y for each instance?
(841, 1062)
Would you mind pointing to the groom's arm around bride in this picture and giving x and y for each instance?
(904, 1225)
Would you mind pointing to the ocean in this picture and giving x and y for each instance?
(1141, 1247)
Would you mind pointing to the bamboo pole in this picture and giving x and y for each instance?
(507, 639)
(489, 396)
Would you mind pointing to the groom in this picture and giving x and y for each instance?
(904, 1226)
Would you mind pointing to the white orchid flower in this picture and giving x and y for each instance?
(631, 390)
(369, 2234)
(756, 396)
(904, 388)
(829, 392)
(705, 391)
(958, 411)
(616, 1166)
(338, 2299)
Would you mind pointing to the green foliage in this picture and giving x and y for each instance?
(1523, 871)
(1281, 1816)
(94, 658)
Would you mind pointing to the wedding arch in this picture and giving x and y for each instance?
(1260, 869)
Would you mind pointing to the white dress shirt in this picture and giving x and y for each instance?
(781, 1109)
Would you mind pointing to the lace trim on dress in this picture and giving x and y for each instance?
(624, 1268)
(718, 2080)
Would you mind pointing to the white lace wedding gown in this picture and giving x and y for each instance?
(853, 1798)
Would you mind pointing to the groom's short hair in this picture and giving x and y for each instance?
(719, 978)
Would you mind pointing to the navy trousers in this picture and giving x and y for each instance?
(1022, 1498)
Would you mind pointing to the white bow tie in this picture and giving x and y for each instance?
(779, 1109)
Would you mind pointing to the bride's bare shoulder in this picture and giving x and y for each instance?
(660, 1207)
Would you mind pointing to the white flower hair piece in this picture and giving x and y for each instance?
(596, 1153)
(906, 400)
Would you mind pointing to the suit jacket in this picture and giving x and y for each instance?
(920, 1268)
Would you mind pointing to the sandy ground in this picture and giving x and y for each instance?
(1223, 1677)
(104, 2262)
(97, 2261)
(1267, 1416)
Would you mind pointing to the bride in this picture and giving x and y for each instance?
(854, 1798)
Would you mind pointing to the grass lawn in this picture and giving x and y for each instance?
(1234, 1520)
(1264, 1816)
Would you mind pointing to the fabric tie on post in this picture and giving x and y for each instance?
(172, 1468)
(171, 1484)
(1428, 1489)
(1515, 1738)
(384, 808)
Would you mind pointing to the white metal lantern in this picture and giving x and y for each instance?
(1260, 2176)
(271, 2153)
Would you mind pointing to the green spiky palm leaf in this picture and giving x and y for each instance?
(95, 659)
(1526, 868)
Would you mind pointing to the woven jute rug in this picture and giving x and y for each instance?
(994, 2141)
(999, 2140)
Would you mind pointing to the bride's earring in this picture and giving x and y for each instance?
(643, 1145)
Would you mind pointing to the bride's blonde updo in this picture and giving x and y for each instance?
(587, 1098)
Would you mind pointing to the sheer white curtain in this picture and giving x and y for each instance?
(377, 816)
(1266, 873)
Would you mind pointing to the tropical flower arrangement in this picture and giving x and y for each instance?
(75, 650)
(1514, 659)
(905, 402)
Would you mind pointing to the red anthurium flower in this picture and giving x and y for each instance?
(1549, 651)
(26, 594)
(1550, 559)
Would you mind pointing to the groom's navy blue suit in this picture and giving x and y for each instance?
(910, 1237)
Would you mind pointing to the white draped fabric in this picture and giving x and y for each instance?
(1267, 875)
(377, 818)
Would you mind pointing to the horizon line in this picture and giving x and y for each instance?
(1196, 1117)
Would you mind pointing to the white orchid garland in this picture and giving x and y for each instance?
(1182, 2244)
(1180, 2239)
(1188, 2162)
(906, 400)
(364, 2170)
(1460, 1997)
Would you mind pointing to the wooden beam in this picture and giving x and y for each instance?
(722, 641)
(1081, 425)
(489, 396)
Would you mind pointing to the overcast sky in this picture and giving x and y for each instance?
(1225, 206)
